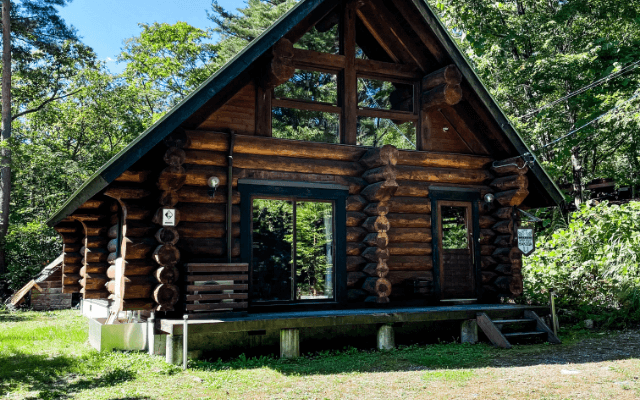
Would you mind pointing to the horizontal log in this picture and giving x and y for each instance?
(72, 258)
(503, 241)
(276, 163)
(138, 248)
(410, 205)
(442, 160)
(122, 192)
(167, 235)
(195, 194)
(133, 268)
(409, 220)
(356, 203)
(95, 256)
(487, 262)
(385, 173)
(207, 247)
(412, 189)
(504, 226)
(377, 209)
(486, 236)
(355, 249)
(486, 221)
(133, 176)
(355, 263)
(487, 250)
(95, 281)
(166, 295)
(194, 212)
(378, 269)
(137, 213)
(215, 141)
(379, 156)
(94, 242)
(355, 278)
(450, 75)
(355, 218)
(355, 234)
(95, 216)
(380, 191)
(92, 229)
(75, 288)
(138, 304)
(410, 263)
(217, 306)
(71, 239)
(135, 287)
(510, 182)
(72, 268)
(511, 197)
(206, 230)
(89, 269)
(167, 274)
(443, 175)
(377, 239)
(504, 213)
(95, 294)
(355, 184)
(174, 156)
(197, 175)
(441, 95)
(376, 224)
(71, 279)
(92, 204)
(166, 255)
(404, 277)
(217, 267)
(374, 254)
(401, 235)
(68, 228)
(410, 249)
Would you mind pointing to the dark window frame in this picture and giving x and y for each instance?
(296, 191)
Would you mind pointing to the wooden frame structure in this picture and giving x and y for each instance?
(117, 248)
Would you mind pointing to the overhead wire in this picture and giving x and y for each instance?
(629, 67)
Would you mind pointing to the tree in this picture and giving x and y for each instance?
(167, 62)
(532, 52)
(32, 31)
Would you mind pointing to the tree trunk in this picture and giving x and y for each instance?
(576, 166)
(5, 161)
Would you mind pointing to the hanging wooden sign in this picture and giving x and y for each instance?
(526, 240)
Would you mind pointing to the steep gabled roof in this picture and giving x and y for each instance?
(241, 62)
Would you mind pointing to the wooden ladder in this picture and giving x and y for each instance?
(501, 331)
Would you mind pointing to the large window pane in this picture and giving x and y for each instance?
(312, 126)
(272, 250)
(377, 132)
(314, 250)
(310, 86)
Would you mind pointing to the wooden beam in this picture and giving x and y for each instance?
(349, 86)
(442, 95)
(401, 116)
(315, 60)
(421, 30)
(305, 105)
(387, 71)
(263, 111)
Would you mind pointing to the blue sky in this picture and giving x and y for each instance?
(104, 25)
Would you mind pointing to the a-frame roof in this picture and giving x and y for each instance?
(216, 84)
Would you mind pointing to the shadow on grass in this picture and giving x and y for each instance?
(15, 317)
(440, 356)
(53, 377)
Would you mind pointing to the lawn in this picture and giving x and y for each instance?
(46, 355)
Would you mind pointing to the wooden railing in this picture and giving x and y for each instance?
(216, 287)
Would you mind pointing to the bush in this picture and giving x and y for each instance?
(29, 248)
(592, 264)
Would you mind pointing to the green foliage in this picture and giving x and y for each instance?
(593, 264)
(532, 52)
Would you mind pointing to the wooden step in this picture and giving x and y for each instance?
(522, 334)
(513, 321)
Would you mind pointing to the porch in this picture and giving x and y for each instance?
(290, 329)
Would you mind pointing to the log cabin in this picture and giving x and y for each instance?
(399, 186)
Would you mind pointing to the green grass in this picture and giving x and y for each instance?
(46, 356)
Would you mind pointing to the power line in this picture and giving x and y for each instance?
(600, 81)
(629, 100)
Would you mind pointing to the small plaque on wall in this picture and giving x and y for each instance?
(526, 241)
(169, 217)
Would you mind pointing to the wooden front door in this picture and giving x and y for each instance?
(456, 248)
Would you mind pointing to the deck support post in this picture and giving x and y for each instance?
(151, 334)
(469, 331)
(185, 341)
(386, 338)
(289, 343)
(174, 349)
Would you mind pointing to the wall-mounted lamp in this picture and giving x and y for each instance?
(489, 198)
(213, 183)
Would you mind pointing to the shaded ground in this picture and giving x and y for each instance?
(45, 355)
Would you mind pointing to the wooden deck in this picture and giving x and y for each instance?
(327, 318)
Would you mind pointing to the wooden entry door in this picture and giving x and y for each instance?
(456, 249)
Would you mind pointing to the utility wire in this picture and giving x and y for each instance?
(629, 100)
(600, 81)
